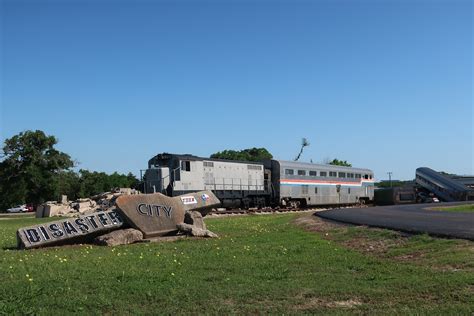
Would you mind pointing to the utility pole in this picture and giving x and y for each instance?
(390, 177)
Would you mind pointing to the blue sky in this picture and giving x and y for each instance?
(385, 85)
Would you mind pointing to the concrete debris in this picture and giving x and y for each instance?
(119, 237)
(84, 206)
(52, 208)
(101, 202)
(194, 218)
(195, 231)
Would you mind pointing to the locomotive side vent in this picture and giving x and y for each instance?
(208, 164)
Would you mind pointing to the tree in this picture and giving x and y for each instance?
(337, 162)
(304, 143)
(133, 181)
(68, 183)
(29, 169)
(250, 154)
(395, 183)
(92, 182)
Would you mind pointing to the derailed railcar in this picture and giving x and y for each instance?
(258, 184)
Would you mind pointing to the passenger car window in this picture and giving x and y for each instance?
(301, 172)
(289, 171)
(313, 173)
(323, 174)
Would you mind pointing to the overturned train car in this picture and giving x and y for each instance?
(259, 184)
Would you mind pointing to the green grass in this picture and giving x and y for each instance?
(468, 208)
(260, 264)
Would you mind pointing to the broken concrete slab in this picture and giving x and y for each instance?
(84, 206)
(194, 218)
(119, 237)
(51, 209)
(157, 214)
(68, 230)
(195, 231)
(39, 211)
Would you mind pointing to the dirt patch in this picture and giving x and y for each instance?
(470, 289)
(345, 304)
(411, 256)
(315, 303)
(357, 242)
(377, 246)
(312, 223)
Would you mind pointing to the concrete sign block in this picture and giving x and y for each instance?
(68, 230)
(157, 214)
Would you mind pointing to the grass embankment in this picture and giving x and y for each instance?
(468, 208)
(260, 264)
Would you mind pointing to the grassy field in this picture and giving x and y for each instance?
(468, 208)
(274, 264)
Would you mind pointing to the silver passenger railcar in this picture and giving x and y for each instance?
(299, 183)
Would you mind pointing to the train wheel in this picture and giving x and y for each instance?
(294, 204)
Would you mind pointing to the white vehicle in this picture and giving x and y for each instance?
(18, 209)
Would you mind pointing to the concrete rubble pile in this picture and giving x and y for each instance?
(101, 202)
(120, 217)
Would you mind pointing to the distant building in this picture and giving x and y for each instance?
(395, 195)
(467, 181)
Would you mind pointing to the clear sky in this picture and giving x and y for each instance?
(385, 85)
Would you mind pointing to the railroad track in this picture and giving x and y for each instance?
(268, 210)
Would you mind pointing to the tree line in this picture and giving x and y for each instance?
(250, 154)
(33, 171)
(260, 154)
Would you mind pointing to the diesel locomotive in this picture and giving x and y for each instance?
(243, 184)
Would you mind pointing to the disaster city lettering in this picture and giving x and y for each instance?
(154, 210)
(72, 227)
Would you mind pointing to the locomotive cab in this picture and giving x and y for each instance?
(157, 180)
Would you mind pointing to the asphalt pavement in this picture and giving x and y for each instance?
(413, 218)
(17, 215)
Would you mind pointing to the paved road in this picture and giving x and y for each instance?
(414, 218)
(17, 215)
